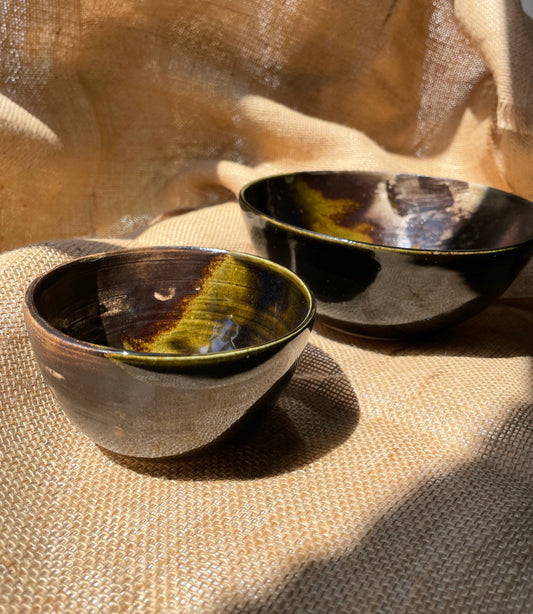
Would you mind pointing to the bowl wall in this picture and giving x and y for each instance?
(197, 382)
(391, 256)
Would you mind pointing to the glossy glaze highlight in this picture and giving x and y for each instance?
(161, 352)
(388, 255)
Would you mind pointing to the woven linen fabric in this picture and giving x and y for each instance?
(390, 476)
(114, 112)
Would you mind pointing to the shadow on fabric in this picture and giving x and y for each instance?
(503, 329)
(78, 248)
(459, 543)
(316, 413)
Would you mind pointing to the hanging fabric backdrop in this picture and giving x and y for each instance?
(390, 476)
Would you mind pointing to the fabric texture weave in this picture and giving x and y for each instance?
(389, 476)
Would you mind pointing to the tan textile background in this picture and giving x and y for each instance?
(113, 112)
(389, 477)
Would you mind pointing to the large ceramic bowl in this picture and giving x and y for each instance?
(389, 255)
(161, 352)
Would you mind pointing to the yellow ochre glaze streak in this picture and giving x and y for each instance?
(210, 320)
(176, 335)
(320, 213)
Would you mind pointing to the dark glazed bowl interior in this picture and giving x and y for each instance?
(397, 211)
(391, 255)
(161, 352)
(200, 305)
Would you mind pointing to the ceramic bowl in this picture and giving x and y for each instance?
(388, 255)
(161, 352)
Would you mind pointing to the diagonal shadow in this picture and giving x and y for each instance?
(317, 412)
(77, 247)
(459, 543)
(503, 329)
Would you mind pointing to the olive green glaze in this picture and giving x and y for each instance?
(391, 255)
(160, 352)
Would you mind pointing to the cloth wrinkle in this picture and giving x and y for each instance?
(390, 476)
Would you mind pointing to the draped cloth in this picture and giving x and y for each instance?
(389, 476)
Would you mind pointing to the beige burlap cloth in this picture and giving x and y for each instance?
(389, 477)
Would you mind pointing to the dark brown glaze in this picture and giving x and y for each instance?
(160, 404)
(391, 255)
(144, 332)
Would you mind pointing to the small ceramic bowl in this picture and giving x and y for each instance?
(160, 352)
(391, 256)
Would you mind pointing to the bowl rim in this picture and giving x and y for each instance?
(167, 359)
(305, 232)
